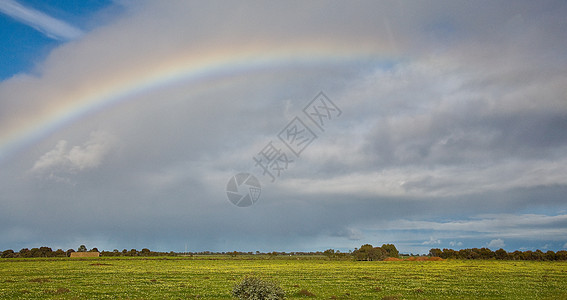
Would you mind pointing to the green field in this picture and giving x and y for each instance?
(206, 278)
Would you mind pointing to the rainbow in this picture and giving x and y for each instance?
(183, 68)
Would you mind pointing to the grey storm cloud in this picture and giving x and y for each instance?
(460, 116)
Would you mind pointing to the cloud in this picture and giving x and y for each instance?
(455, 244)
(453, 127)
(508, 225)
(432, 241)
(51, 27)
(349, 233)
(63, 161)
(496, 244)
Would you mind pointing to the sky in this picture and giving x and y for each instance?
(330, 124)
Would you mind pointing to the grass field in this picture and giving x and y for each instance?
(205, 278)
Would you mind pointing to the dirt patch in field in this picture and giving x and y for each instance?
(305, 292)
(393, 259)
(58, 291)
(424, 258)
(435, 259)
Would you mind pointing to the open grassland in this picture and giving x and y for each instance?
(205, 278)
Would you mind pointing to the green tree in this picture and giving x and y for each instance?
(25, 252)
(449, 253)
(501, 254)
(330, 253)
(82, 248)
(368, 252)
(35, 252)
(435, 252)
(550, 255)
(517, 255)
(8, 253)
(391, 250)
(561, 255)
(485, 253)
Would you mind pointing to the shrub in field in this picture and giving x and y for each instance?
(305, 292)
(254, 288)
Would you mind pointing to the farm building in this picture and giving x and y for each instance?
(85, 254)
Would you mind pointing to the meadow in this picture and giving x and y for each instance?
(301, 278)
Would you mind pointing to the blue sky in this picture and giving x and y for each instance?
(23, 47)
(121, 123)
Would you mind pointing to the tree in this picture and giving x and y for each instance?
(69, 251)
(368, 252)
(25, 252)
(35, 252)
(550, 255)
(391, 250)
(330, 253)
(435, 252)
(561, 255)
(8, 253)
(95, 249)
(59, 253)
(82, 248)
(517, 255)
(538, 255)
(449, 253)
(501, 254)
(45, 252)
(485, 253)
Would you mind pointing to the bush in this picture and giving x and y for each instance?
(254, 288)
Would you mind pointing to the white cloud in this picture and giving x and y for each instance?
(432, 241)
(496, 244)
(455, 244)
(508, 225)
(565, 246)
(51, 27)
(62, 161)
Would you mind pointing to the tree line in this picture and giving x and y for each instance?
(48, 252)
(500, 254)
(366, 252)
